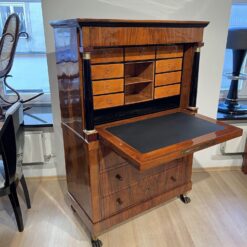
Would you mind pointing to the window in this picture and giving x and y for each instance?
(237, 19)
(8, 8)
(29, 71)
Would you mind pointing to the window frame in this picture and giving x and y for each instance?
(242, 93)
(9, 95)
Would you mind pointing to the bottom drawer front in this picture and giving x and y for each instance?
(145, 189)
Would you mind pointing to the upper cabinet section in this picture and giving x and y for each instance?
(102, 33)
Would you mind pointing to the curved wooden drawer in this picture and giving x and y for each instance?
(145, 189)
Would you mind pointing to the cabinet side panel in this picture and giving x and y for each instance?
(77, 169)
(69, 74)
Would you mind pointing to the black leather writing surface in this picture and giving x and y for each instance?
(155, 133)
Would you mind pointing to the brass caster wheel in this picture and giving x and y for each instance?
(96, 243)
(185, 199)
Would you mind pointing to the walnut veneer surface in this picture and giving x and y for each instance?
(116, 72)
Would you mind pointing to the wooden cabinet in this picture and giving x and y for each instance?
(125, 88)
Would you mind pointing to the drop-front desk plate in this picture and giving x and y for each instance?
(152, 140)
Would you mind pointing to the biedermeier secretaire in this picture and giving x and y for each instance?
(127, 96)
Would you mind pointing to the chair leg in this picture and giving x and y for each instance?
(16, 207)
(25, 190)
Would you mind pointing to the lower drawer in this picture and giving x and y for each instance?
(127, 175)
(145, 189)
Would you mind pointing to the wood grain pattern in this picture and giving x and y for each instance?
(108, 86)
(168, 78)
(109, 159)
(145, 189)
(126, 175)
(139, 53)
(110, 100)
(168, 65)
(170, 51)
(122, 36)
(77, 173)
(166, 91)
(107, 55)
(187, 75)
(106, 71)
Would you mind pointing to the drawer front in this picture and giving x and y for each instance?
(105, 71)
(108, 86)
(139, 53)
(125, 176)
(107, 55)
(109, 159)
(168, 78)
(106, 101)
(167, 91)
(168, 65)
(169, 51)
(145, 189)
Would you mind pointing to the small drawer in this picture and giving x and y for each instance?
(168, 65)
(168, 78)
(167, 91)
(169, 51)
(139, 53)
(145, 189)
(107, 71)
(108, 86)
(106, 101)
(107, 55)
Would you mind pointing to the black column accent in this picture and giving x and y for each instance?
(88, 93)
(194, 78)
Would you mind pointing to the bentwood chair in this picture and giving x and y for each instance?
(11, 146)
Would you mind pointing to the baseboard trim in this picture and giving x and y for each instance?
(46, 178)
(217, 169)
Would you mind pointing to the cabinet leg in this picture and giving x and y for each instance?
(185, 199)
(96, 243)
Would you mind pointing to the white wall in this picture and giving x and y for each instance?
(212, 55)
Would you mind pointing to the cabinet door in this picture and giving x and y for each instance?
(151, 140)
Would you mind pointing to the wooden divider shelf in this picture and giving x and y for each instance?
(139, 79)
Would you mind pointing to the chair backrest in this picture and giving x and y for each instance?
(8, 43)
(8, 149)
(12, 141)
